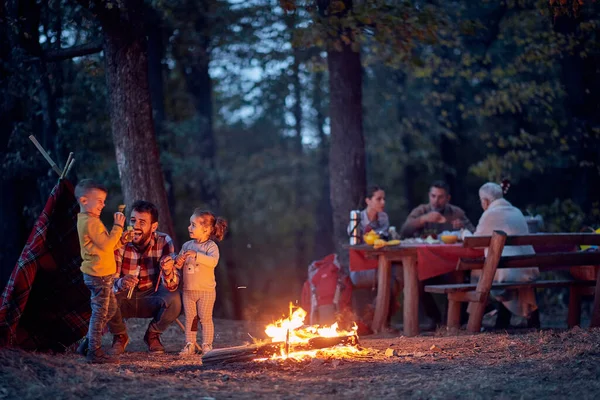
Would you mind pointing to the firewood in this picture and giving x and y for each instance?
(266, 350)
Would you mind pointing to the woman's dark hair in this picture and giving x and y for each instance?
(372, 189)
(219, 225)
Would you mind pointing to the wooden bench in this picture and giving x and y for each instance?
(479, 293)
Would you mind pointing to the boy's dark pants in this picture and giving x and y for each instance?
(104, 306)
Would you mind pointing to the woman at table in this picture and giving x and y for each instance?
(499, 214)
(363, 272)
(373, 217)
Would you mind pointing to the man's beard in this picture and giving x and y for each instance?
(143, 241)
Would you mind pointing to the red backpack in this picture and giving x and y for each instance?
(326, 292)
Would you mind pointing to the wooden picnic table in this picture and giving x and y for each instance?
(446, 257)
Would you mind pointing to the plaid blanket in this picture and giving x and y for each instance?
(45, 304)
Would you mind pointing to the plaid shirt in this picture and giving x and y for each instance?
(128, 259)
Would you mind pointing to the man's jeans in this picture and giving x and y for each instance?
(162, 306)
(104, 306)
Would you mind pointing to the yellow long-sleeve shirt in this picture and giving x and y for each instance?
(97, 245)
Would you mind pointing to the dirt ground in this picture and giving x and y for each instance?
(500, 365)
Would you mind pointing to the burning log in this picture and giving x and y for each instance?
(266, 350)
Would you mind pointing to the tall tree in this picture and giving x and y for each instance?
(136, 148)
(323, 215)
(347, 172)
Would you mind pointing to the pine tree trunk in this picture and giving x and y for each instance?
(323, 241)
(131, 112)
(298, 201)
(156, 50)
(347, 153)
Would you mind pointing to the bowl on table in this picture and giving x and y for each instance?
(449, 239)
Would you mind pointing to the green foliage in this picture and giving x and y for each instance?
(566, 216)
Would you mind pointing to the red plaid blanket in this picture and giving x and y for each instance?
(45, 304)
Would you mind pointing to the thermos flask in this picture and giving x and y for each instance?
(354, 231)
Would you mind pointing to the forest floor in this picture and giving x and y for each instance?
(529, 364)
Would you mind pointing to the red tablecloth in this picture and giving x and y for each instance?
(432, 259)
(438, 259)
(360, 262)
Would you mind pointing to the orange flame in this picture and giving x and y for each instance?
(295, 332)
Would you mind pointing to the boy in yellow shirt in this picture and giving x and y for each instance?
(98, 265)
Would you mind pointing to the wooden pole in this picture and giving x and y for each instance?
(69, 167)
(574, 315)
(411, 296)
(595, 322)
(46, 155)
(64, 171)
(382, 302)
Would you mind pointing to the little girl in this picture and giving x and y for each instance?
(199, 257)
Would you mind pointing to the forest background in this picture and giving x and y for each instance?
(278, 114)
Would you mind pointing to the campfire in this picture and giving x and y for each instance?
(299, 341)
(291, 339)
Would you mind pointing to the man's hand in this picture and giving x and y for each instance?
(128, 281)
(457, 224)
(119, 219)
(434, 217)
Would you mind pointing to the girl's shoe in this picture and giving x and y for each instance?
(206, 348)
(188, 350)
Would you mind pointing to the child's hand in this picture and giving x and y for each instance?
(180, 260)
(127, 235)
(167, 264)
(189, 253)
(119, 218)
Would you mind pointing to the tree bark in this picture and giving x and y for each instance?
(132, 125)
(298, 202)
(347, 154)
(323, 244)
(156, 50)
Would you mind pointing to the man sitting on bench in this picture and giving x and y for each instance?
(499, 214)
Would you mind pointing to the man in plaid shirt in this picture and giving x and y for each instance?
(145, 269)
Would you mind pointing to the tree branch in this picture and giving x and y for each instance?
(74, 51)
(71, 52)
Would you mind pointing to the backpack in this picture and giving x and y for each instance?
(326, 292)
